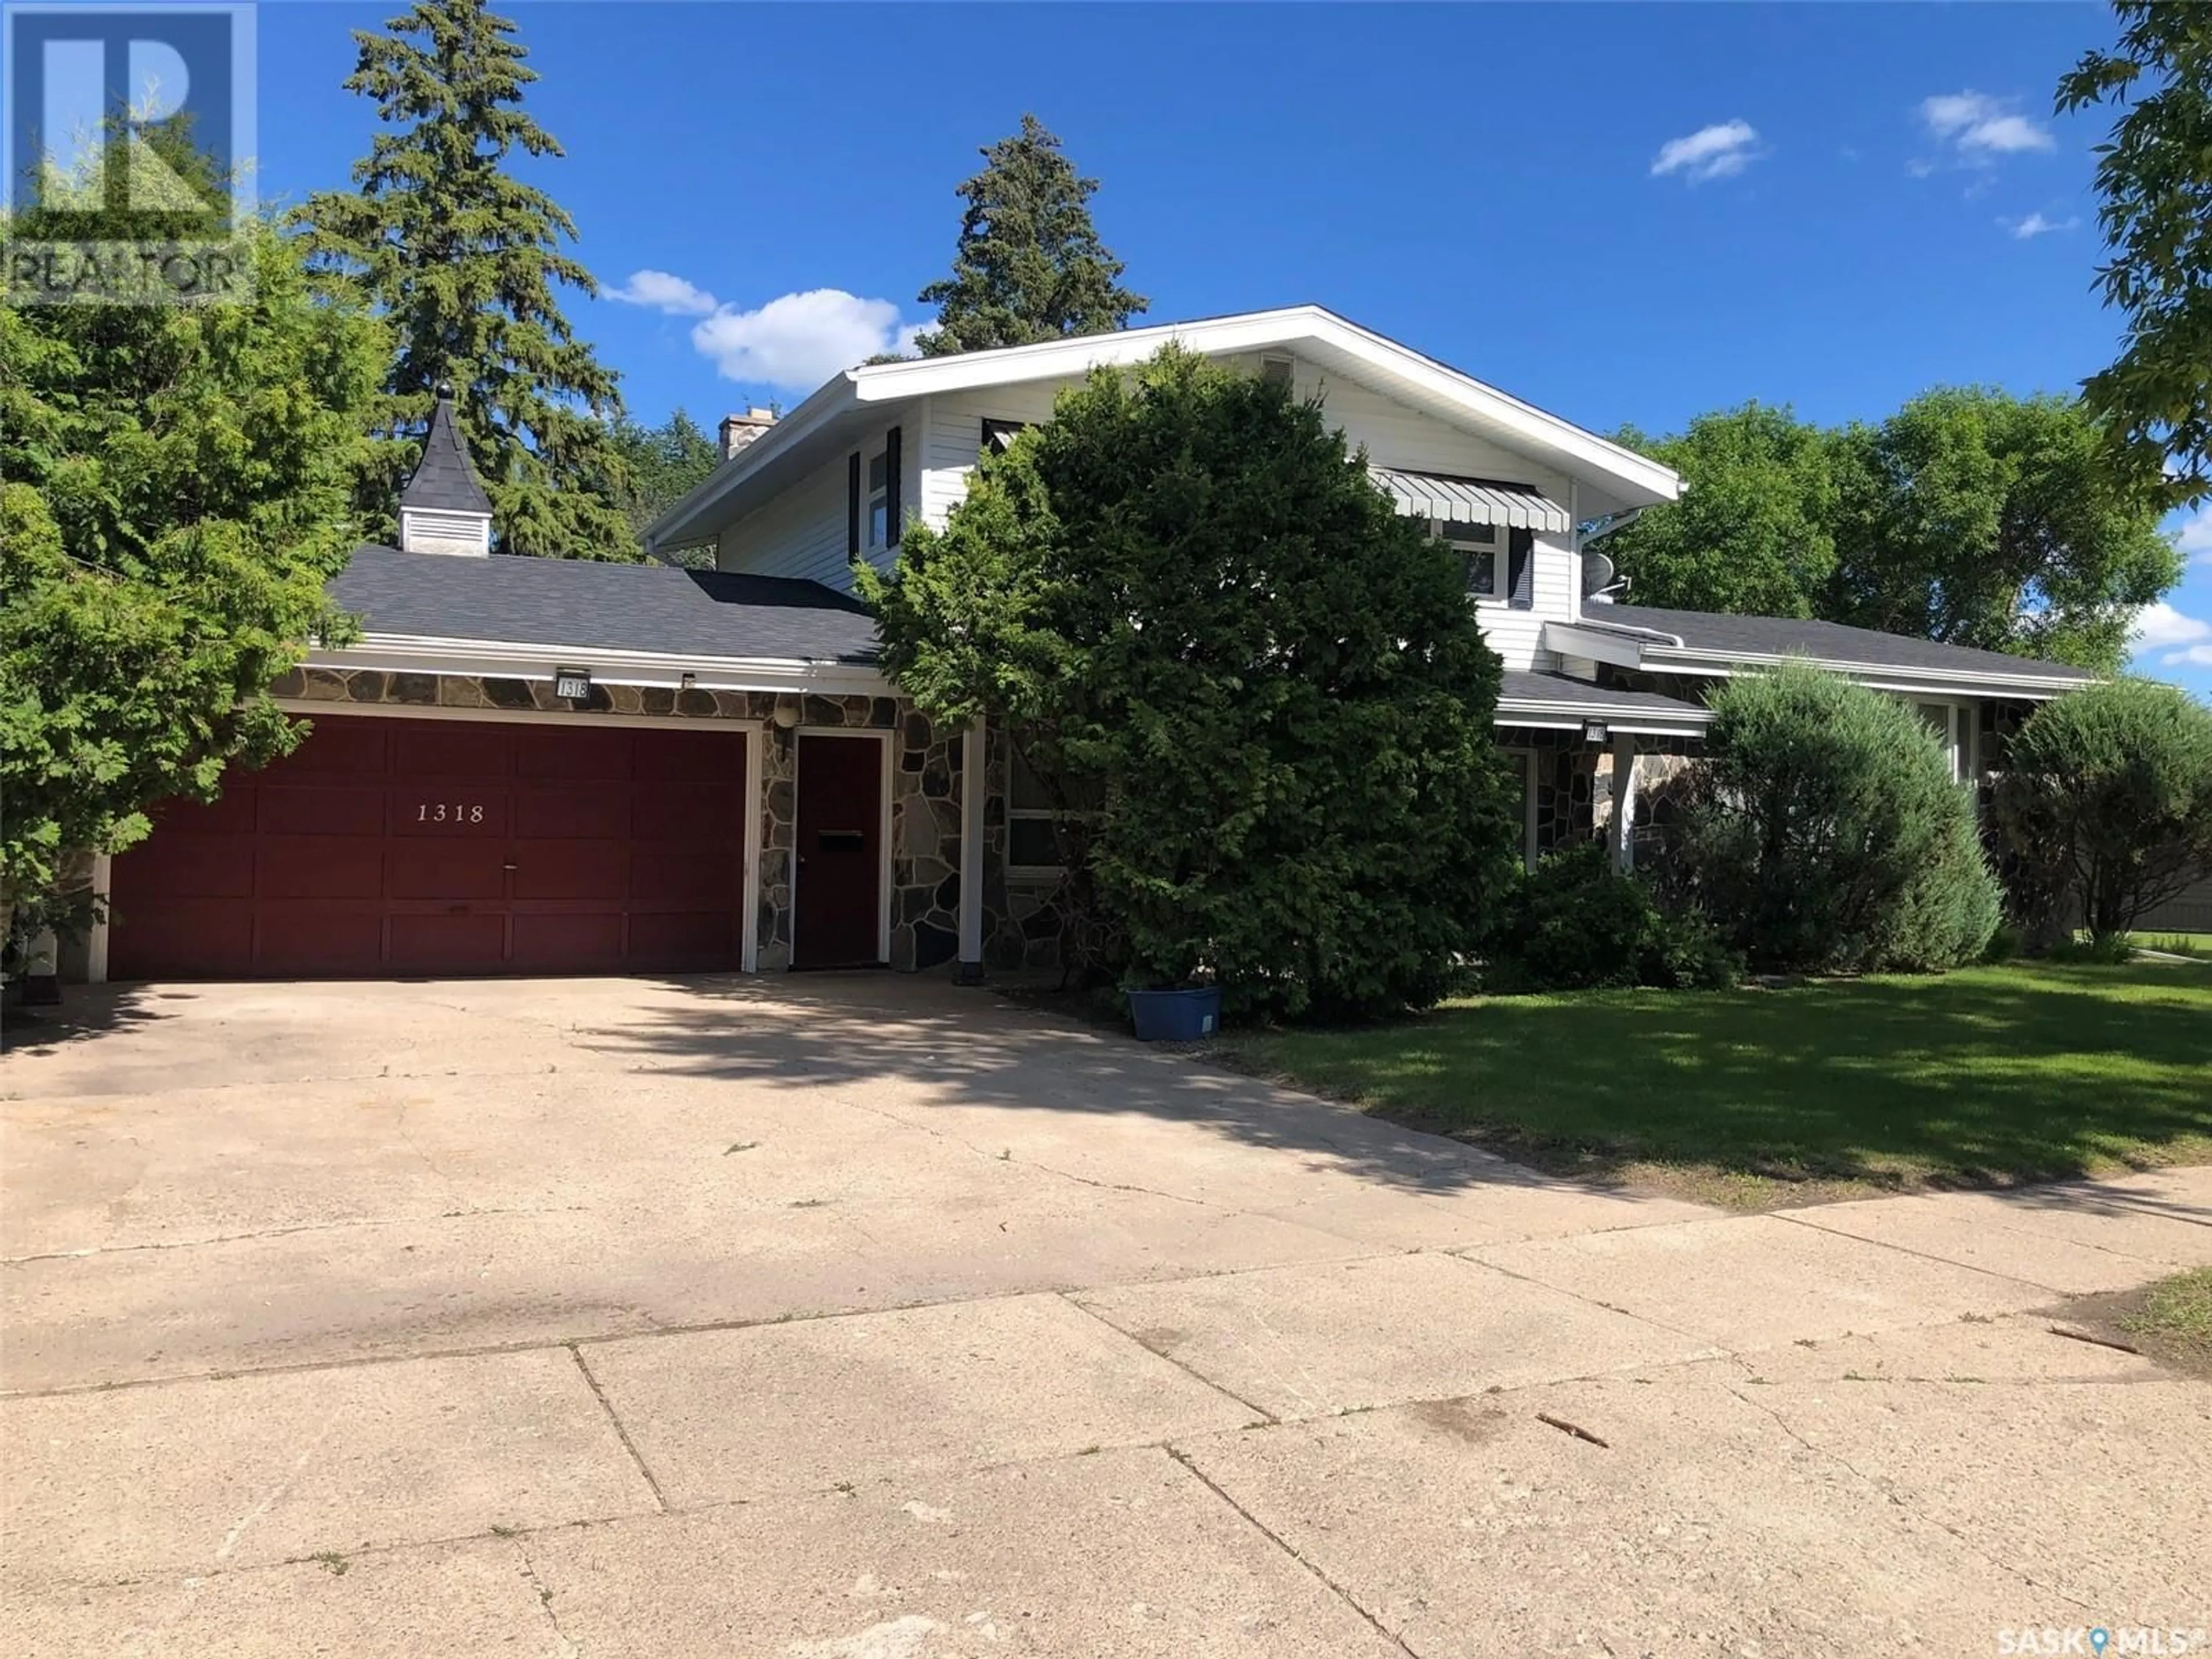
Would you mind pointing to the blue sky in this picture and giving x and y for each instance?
(1624, 214)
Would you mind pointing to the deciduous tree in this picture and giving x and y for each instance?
(466, 261)
(2156, 176)
(174, 486)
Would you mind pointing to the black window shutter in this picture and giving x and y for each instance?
(853, 507)
(1521, 569)
(891, 488)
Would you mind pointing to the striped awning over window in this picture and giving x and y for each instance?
(1467, 500)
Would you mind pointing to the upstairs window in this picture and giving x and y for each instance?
(1482, 549)
(878, 515)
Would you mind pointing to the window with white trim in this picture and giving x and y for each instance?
(1032, 847)
(1483, 548)
(877, 518)
(1954, 726)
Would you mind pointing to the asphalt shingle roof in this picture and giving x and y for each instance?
(444, 482)
(1519, 687)
(615, 607)
(1780, 636)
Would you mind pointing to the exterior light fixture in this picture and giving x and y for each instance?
(786, 715)
(688, 680)
(1596, 732)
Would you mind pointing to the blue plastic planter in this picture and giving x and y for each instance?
(1175, 1016)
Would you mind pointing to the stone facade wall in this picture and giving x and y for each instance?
(926, 783)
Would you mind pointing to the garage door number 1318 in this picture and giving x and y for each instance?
(429, 812)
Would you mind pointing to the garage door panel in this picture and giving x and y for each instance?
(676, 940)
(582, 813)
(549, 751)
(701, 811)
(469, 942)
(688, 756)
(319, 866)
(186, 867)
(451, 748)
(569, 870)
(678, 876)
(568, 942)
(321, 809)
(179, 937)
(319, 939)
(337, 746)
(230, 813)
(445, 870)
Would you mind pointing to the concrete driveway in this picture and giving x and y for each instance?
(868, 1319)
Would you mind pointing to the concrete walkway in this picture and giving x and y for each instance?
(867, 1319)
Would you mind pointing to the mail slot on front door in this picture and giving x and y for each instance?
(841, 841)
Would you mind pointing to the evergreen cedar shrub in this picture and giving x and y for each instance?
(1576, 923)
(1182, 592)
(2105, 800)
(1823, 831)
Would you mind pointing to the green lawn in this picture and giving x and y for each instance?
(1834, 1088)
(2180, 944)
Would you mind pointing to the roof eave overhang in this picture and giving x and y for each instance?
(1574, 716)
(406, 654)
(1653, 656)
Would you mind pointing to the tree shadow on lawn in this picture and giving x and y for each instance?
(1985, 1076)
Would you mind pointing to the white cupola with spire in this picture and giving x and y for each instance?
(444, 508)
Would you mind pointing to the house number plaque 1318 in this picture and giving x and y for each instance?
(439, 811)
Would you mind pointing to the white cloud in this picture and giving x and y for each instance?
(1979, 126)
(2195, 537)
(1719, 151)
(2159, 626)
(663, 292)
(801, 339)
(2196, 656)
(2036, 225)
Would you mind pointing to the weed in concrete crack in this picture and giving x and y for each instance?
(1976, 1319)
(1859, 1376)
(844, 1486)
(808, 1203)
(331, 1563)
(498, 1531)
(740, 1147)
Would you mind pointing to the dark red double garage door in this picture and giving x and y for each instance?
(414, 847)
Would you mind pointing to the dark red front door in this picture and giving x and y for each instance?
(838, 897)
(447, 847)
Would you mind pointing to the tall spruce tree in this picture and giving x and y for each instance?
(1029, 265)
(464, 259)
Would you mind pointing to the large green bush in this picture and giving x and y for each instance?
(2106, 795)
(1183, 591)
(1823, 831)
(1576, 923)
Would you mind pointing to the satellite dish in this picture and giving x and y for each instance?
(1597, 573)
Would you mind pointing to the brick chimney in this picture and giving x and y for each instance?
(738, 431)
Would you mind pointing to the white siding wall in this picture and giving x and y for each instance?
(802, 533)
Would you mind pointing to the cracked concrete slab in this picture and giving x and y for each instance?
(1751, 1282)
(191, 1477)
(2076, 1238)
(470, 1600)
(1700, 1527)
(1302, 1341)
(1107, 1557)
(737, 1414)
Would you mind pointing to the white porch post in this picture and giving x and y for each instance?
(973, 748)
(1623, 801)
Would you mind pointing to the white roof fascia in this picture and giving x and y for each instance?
(1573, 716)
(508, 659)
(1506, 417)
(1662, 654)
